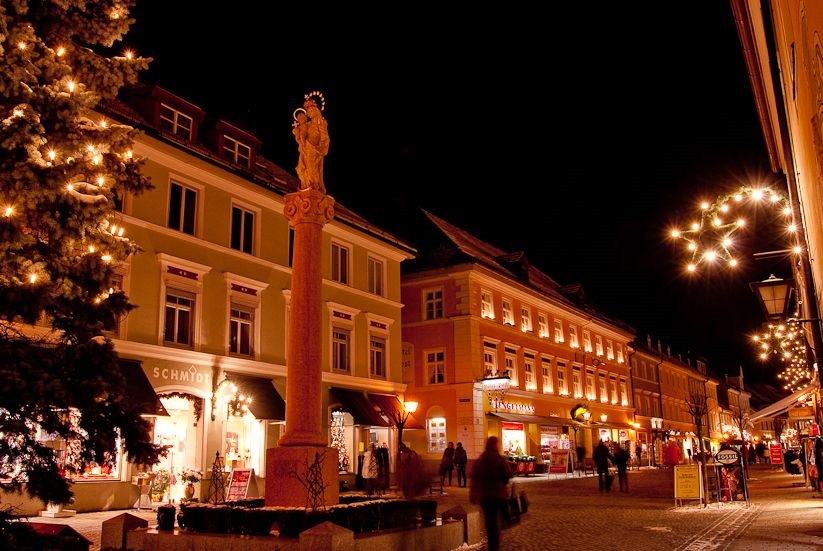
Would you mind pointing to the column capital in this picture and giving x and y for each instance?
(309, 206)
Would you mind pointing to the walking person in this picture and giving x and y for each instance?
(447, 464)
(490, 477)
(371, 470)
(460, 460)
(621, 460)
(601, 458)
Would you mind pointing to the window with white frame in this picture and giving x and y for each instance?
(528, 368)
(242, 229)
(179, 317)
(619, 353)
(542, 326)
(116, 286)
(511, 366)
(577, 383)
(436, 434)
(604, 391)
(546, 372)
(573, 342)
(587, 340)
(490, 359)
(182, 208)
(598, 345)
(525, 319)
(341, 350)
(562, 383)
(175, 122)
(486, 304)
(436, 367)
(609, 349)
(375, 275)
(340, 263)
(236, 151)
(377, 356)
(624, 394)
(433, 304)
(614, 390)
(590, 385)
(558, 331)
(241, 330)
(508, 312)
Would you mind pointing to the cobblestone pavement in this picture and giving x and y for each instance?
(571, 514)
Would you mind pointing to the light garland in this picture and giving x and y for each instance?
(788, 342)
(711, 240)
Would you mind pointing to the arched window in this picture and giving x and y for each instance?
(436, 426)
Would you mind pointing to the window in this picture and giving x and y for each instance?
(558, 331)
(609, 349)
(525, 319)
(490, 359)
(241, 330)
(598, 345)
(562, 385)
(236, 152)
(528, 367)
(433, 304)
(577, 384)
(242, 230)
(340, 263)
(179, 317)
(377, 356)
(614, 390)
(648, 404)
(436, 367)
(511, 366)
(486, 305)
(341, 349)
(590, 385)
(573, 342)
(375, 274)
(624, 395)
(546, 371)
(604, 392)
(542, 326)
(587, 340)
(175, 122)
(437, 434)
(116, 286)
(620, 353)
(508, 312)
(182, 208)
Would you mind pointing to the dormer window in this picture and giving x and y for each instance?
(175, 122)
(236, 152)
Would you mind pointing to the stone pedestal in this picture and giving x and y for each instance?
(56, 510)
(290, 475)
(114, 530)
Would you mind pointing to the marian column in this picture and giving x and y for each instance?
(302, 471)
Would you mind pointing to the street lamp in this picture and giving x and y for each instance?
(773, 294)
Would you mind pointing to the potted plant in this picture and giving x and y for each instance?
(160, 484)
(190, 477)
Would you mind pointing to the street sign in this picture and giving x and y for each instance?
(727, 457)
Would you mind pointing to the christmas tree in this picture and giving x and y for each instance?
(63, 170)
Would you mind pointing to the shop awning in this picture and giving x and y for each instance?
(614, 425)
(537, 419)
(139, 388)
(266, 403)
(782, 405)
(363, 410)
(391, 406)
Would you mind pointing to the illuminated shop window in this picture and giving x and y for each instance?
(178, 430)
(436, 434)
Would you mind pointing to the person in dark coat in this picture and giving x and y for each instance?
(383, 467)
(460, 460)
(447, 464)
(601, 458)
(621, 460)
(490, 477)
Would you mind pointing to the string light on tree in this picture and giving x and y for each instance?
(711, 239)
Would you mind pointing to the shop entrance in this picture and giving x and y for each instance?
(179, 432)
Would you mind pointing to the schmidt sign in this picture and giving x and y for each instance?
(727, 457)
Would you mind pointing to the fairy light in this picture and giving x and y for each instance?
(106, 258)
(52, 154)
(788, 343)
(71, 86)
(704, 205)
(32, 278)
(792, 228)
(100, 181)
(129, 54)
(733, 262)
(8, 212)
(675, 233)
(21, 45)
(91, 248)
(796, 249)
(129, 154)
(104, 123)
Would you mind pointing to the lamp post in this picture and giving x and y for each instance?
(579, 414)
(773, 294)
(400, 418)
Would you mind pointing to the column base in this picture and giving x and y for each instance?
(291, 471)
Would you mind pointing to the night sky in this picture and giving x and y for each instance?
(578, 136)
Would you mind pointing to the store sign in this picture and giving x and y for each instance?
(166, 375)
(727, 457)
(519, 408)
